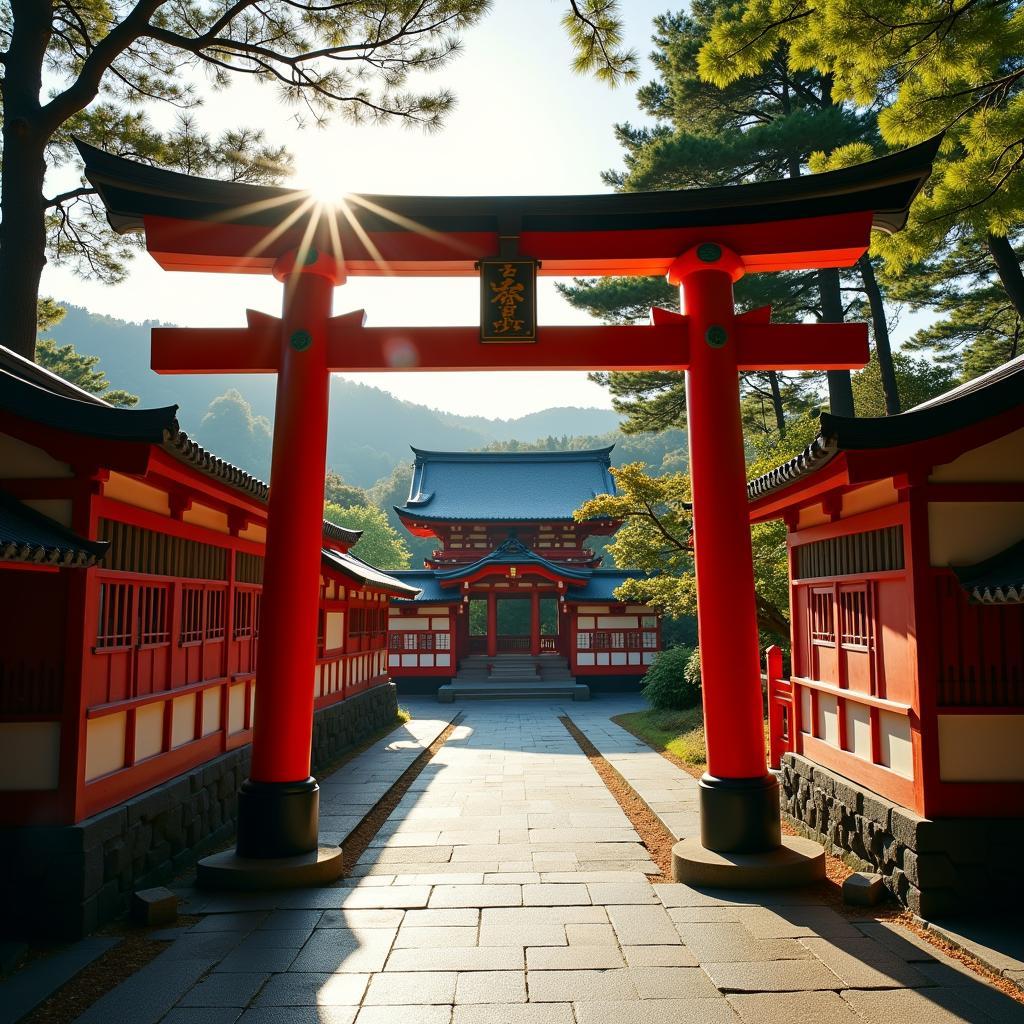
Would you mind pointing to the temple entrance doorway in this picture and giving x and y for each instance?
(520, 625)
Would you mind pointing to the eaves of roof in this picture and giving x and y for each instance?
(27, 535)
(996, 392)
(35, 401)
(513, 552)
(355, 568)
(996, 580)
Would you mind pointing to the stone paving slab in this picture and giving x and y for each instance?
(508, 887)
(24, 991)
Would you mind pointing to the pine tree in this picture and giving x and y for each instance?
(381, 544)
(761, 126)
(978, 327)
(954, 67)
(82, 370)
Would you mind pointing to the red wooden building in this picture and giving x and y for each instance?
(131, 564)
(906, 544)
(513, 600)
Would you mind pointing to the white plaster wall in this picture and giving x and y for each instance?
(334, 630)
(981, 748)
(30, 755)
(211, 710)
(183, 720)
(962, 533)
(858, 729)
(999, 461)
(149, 731)
(20, 460)
(895, 748)
(236, 708)
(104, 745)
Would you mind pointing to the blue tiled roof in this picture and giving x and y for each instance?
(514, 486)
(602, 583)
(424, 580)
(513, 552)
(599, 587)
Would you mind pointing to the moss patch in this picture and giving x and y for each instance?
(679, 733)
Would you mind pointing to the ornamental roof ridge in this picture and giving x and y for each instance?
(561, 455)
(513, 551)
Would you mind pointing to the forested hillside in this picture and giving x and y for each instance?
(370, 431)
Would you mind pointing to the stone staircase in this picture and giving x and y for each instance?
(513, 675)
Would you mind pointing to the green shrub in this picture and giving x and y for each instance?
(671, 682)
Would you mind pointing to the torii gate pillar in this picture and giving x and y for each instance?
(741, 841)
(279, 804)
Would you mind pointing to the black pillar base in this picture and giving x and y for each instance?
(277, 819)
(740, 815)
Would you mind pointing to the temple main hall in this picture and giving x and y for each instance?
(513, 601)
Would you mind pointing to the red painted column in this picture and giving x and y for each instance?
(726, 609)
(535, 622)
(278, 808)
(492, 624)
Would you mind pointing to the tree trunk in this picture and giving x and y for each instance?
(840, 390)
(22, 207)
(780, 413)
(881, 331)
(1008, 267)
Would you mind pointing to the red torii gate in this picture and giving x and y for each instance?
(702, 239)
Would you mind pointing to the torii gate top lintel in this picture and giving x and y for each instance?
(820, 220)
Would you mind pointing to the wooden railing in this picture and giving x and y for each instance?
(513, 644)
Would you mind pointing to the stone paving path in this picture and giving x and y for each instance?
(508, 887)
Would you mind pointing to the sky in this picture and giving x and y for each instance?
(564, 138)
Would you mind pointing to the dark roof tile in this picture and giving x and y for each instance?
(26, 535)
(509, 486)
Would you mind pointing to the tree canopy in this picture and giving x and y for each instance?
(381, 545)
(97, 71)
(955, 68)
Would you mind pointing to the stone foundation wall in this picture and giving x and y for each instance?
(64, 881)
(936, 868)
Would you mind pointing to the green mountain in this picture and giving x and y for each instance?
(370, 430)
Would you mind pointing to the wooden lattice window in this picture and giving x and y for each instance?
(823, 629)
(115, 622)
(650, 641)
(154, 625)
(854, 616)
(216, 606)
(243, 624)
(192, 599)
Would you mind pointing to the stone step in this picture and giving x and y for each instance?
(454, 690)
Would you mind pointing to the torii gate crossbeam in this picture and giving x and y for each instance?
(718, 234)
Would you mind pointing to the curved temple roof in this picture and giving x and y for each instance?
(362, 572)
(28, 536)
(508, 486)
(986, 396)
(513, 552)
(39, 404)
(202, 224)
